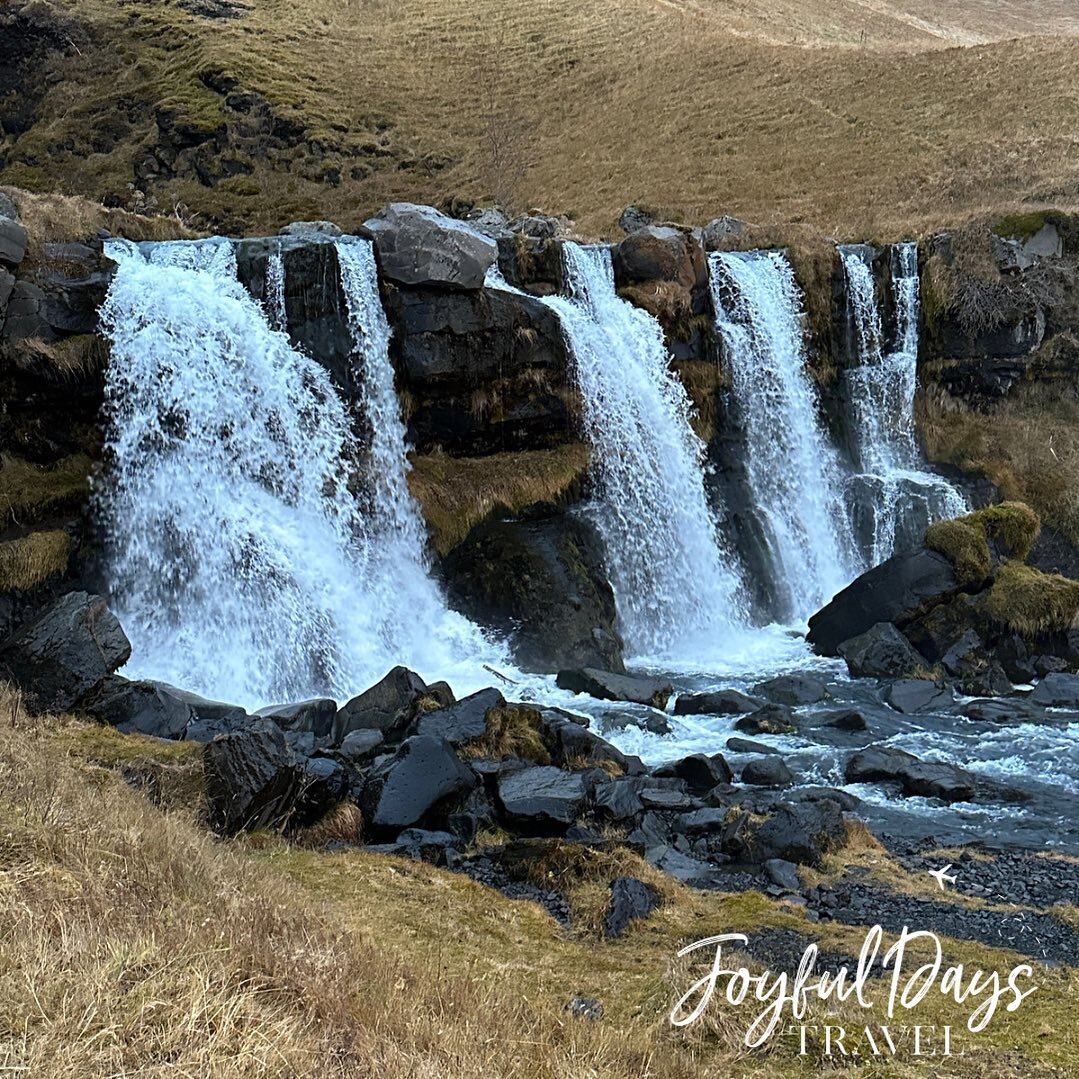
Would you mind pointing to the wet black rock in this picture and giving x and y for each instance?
(801, 832)
(253, 778)
(783, 874)
(848, 721)
(461, 722)
(412, 786)
(66, 652)
(161, 710)
(631, 900)
(388, 706)
(793, 689)
(771, 719)
(745, 745)
(699, 772)
(652, 721)
(359, 745)
(915, 695)
(926, 779)
(1057, 691)
(608, 686)
(542, 798)
(315, 715)
(541, 582)
(767, 772)
(881, 652)
(617, 800)
(725, 702)
(898, 587)
(570, 741)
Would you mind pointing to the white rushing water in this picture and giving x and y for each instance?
(242, 564)
(793, 471)
(892, 487)
(676, 589)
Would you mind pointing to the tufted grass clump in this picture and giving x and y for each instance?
(964, 541)
(513, 730)
(1031, 602)
(28, 491)
(31, 560)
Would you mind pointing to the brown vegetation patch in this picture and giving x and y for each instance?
(31, 560)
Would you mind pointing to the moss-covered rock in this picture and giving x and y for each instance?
(1032, 603)
(976, 543)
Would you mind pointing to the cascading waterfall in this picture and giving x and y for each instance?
(241, 564)
(674, 586)
(274, 299)
(793, 472)
(893, 498)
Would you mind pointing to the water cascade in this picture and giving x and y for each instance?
(893, 498)
(793, 472)
(674, 585)
(240, 561)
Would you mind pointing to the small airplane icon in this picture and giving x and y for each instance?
(942, 875)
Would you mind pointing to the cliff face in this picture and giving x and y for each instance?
(488, 394)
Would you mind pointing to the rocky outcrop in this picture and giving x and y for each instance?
(540, 581)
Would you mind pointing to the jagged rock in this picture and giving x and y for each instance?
(802, 832)
(631, 900)
(897, 587)
(408, 789)
(1015, 254)
(570, 741)
(913, 695)
(160, 710)
(767, 772)
(691, 871)
(359, 744)
(608, 686)
(13, 240)
(633, 218)
(538, 226)
(418, 245)
(717, 234)
(253, 778)
(542, 796)
(315, 715)
(881, 652)
(770, 719)
(66, 652)
(1057, 691)
(311, 228)
(793, 689)
(541, 582)
(617, 800)
(667, 799)
(8, 208)
(744, 745)
(783, 874)
(463, 721)
(700, 773)
(388, 706)
(490, 221)
(725, 702)
(701, 821)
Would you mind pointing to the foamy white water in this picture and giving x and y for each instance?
(241, 564)
(793, 470)
(676, 589)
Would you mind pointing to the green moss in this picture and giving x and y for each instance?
(514, 730)
(1012, 526)
(33, 559)
(1031, 602)
(1022, 226)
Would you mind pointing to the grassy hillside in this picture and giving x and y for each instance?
(136, 944)
(855, 117)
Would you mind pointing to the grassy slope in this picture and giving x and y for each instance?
(873, 128)
(133, 943)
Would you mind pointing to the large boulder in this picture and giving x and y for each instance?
(388, 706)
(917, 695)
(799, 832)
(542, 798)
(793, 689)
(418, 245)
(314, 716)
(699, 772)
(253, 778)
(768, 719)
(724, 702)
(411, 787)
(160, 710)
(767, 772)
(1057, 690)
(899, 587)
(461, 722)
(541, 582)
(881, 652)
(66, 652)
(609, 686)
(658, 253)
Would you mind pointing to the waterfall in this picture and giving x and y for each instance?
(274, 299)
(674, 585)
(793, 472)
(240, 561)
(893, 497)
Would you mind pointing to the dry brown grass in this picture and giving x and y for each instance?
(133, 943)
(850, 116)
(28, 491)
(457, 493)
(1027, 444)
(30, 560)
(515, 730)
